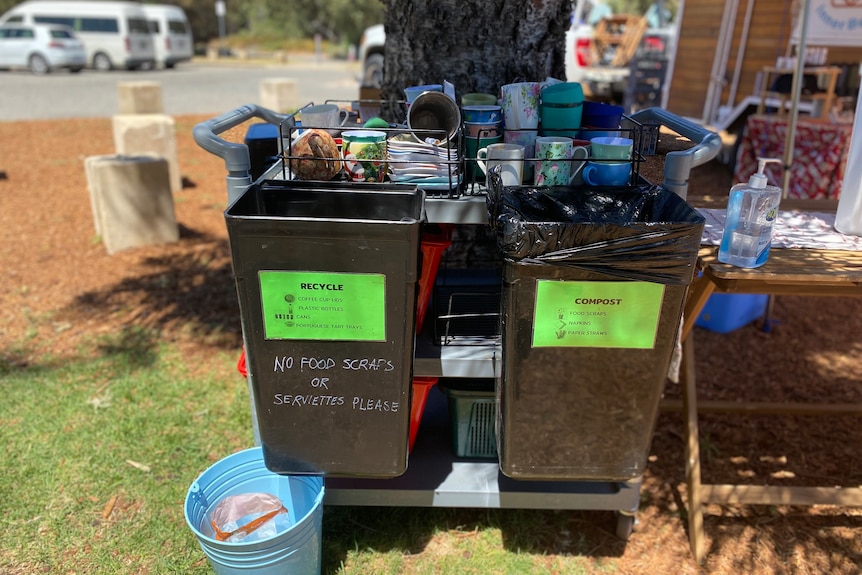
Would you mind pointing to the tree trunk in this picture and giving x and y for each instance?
(476, 45)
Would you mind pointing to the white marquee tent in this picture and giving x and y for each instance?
(831, 23)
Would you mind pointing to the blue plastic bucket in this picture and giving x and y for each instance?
(295, 551)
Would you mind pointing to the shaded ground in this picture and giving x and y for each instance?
(61, 287)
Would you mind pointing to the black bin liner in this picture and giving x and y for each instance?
(594, 281)
(326, 276)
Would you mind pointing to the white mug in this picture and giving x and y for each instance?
(327, 116)
(510, 158)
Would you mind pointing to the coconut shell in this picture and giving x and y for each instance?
(314, 156)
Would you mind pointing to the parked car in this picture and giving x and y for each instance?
(602, 78)
(172, 34)
(579, 38)
(370, 53)
(595, 65)
(41, 48)
(115, 33)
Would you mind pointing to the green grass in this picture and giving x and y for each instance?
(130, 430)
(100, 453)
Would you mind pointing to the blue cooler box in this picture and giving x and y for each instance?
(262, 142)
(725, 312)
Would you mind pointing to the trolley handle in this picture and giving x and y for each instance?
(235, 156)
(678, 165)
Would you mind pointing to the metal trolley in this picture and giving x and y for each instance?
(435, 476)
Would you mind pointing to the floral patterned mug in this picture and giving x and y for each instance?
(521, 106)
(558, 160)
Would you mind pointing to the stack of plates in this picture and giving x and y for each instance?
(429, 165)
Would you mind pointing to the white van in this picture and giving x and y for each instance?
(172, 34)
(116, 34)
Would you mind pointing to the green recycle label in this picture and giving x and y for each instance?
(323, 305)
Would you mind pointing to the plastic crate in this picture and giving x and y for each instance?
(467, 307)
(421, 387)
(725, 312)
(472, 413)
(436, 238)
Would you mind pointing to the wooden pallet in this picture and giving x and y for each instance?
(620, 35)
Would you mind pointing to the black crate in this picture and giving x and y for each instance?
(467, 307)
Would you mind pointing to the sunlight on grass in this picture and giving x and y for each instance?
(73, 501)
(101, 452)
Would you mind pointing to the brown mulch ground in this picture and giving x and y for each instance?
(61, 287)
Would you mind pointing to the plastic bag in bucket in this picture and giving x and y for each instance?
(296, 550)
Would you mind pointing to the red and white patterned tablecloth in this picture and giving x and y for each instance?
(819, 155)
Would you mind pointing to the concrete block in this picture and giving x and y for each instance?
(140, 97)
(279, 94)
(131, 201)
(149, 134)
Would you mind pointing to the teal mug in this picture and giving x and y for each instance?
(611, 148)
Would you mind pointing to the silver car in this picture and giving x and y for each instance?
(41, 48)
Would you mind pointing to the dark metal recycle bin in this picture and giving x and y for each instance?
(327, 277)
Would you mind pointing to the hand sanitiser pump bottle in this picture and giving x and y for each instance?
(751, 212)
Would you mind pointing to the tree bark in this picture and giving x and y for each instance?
(477, 46)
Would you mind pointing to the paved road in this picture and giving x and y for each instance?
(193, 88)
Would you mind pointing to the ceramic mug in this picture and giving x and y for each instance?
(526, 138)
(482, 129)
(478, 99)
(473, 145)
(364, 153)
(561, 109)
(327, 116)
(482, 113)
(576, 176)
(558, 161)
(607, 173)
(601, 115)
(611, 148)
(510, 158)
(521, 106)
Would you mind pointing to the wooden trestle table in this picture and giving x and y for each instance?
(798, 272)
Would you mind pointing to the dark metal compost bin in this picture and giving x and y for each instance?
(594, 281)
(327, 277)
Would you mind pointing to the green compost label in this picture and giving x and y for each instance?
(323, 305)
(596, 314)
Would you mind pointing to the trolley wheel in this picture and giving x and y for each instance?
(626, 522)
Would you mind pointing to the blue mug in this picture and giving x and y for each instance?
(482, 114)
(607, 173)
